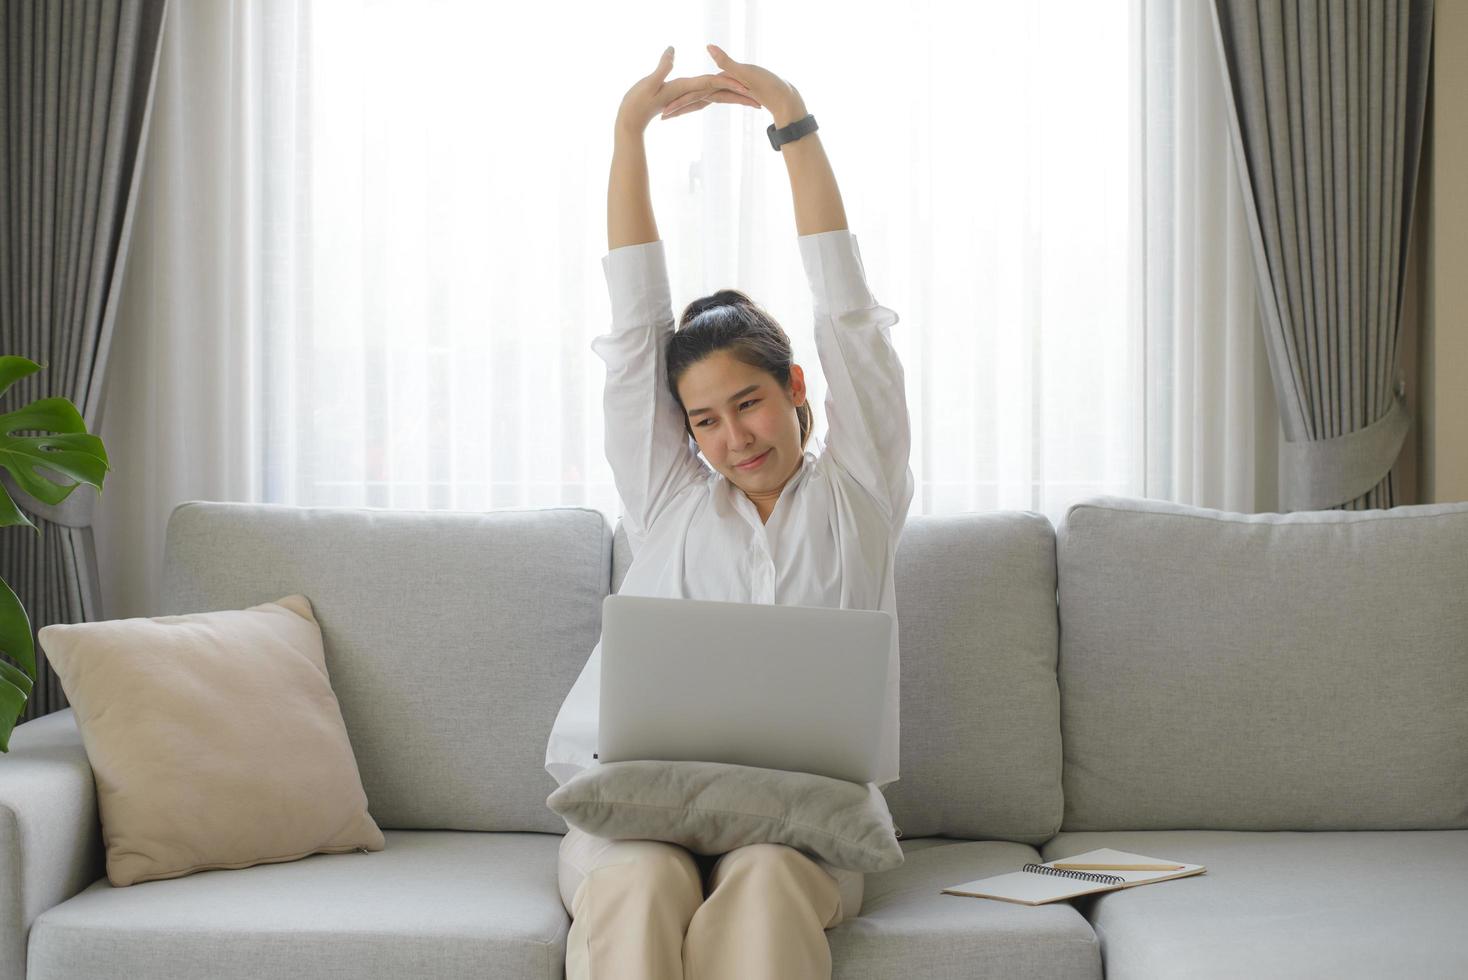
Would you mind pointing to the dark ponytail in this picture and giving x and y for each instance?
(728, 320)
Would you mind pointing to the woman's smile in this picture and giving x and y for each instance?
(754, 463)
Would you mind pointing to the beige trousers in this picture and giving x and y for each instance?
(638, 910)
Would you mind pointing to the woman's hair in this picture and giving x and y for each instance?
(730, 321)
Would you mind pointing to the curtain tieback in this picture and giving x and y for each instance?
(1323, 473)
(77, 510)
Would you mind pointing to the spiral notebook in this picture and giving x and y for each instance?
(1037, 884)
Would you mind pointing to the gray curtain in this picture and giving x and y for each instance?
(1327, 114)
(76, 84)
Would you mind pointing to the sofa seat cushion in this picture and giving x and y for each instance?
(908, 928)
(1317, 904)
(433, 903)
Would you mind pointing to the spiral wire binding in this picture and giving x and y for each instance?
(1080, 875)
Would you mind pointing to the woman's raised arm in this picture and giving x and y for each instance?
(629, 201)
(818, 206)
(630, 219)
(651, 455)
(868, 433)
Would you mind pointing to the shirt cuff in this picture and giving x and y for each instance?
(637, 280)
(838, 281)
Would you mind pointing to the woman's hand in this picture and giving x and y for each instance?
(769, 91)
(652, 94)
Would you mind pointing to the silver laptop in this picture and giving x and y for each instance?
(779, 687)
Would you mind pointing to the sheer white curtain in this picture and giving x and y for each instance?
(191, 389)
(366, 266)
(1212, 426)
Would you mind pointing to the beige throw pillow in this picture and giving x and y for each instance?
(215, 739)
(714, 807)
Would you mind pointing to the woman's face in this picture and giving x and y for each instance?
(738, 413)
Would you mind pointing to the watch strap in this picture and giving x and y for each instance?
(792, 132)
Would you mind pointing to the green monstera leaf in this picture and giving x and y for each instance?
(64, 448)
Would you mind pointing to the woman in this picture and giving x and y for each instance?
(756, 519)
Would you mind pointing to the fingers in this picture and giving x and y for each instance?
(702, 84)
(685, 109)
(697, 102)
(665, 64)
(720, 58)
(722, 96)
(689, 103)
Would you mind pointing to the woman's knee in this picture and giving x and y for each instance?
(656, 860)
(766, 866)
(647, 872)
(766, 860)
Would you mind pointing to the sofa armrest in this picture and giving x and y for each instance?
(50, 835)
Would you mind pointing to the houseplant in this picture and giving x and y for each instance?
(64, 447)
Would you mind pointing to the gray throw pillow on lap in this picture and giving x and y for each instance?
(714, 807)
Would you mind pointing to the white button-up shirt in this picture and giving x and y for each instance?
(832, 537)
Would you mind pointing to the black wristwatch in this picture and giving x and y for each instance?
(792, 132)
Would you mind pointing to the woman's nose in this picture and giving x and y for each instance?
(738, 435)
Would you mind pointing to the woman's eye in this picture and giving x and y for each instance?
(703, 423)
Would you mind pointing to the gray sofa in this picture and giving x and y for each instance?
(1281, 698)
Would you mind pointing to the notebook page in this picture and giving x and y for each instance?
(1027, 888)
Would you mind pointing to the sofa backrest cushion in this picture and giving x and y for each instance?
(980, 711)
(451, 638)
(1225, 671)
